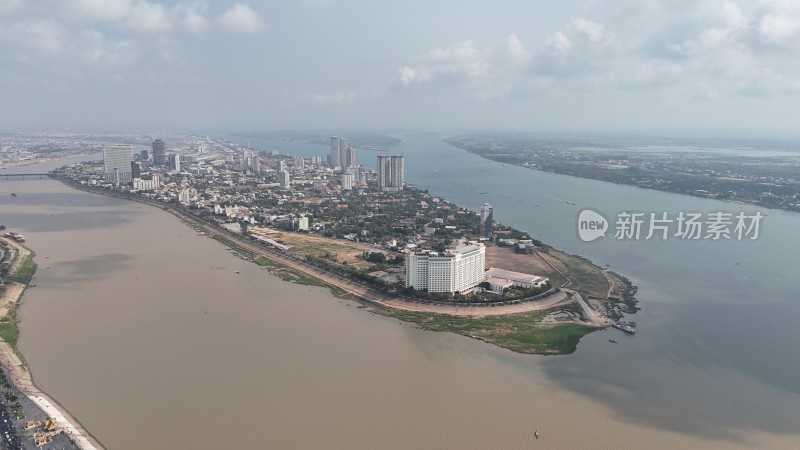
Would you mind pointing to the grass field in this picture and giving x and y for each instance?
(306, 245)
(522, 333)
(25, 271)
(587, 278)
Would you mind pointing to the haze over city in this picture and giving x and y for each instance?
(578, 65)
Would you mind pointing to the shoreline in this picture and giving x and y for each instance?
(362, 293)
(22, 378)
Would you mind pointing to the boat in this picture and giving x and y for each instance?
(13, 194)
(628, 327)
(613, 341)
(536, 433)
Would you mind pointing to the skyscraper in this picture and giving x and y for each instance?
(255, 164)
(390, 173)
(285, 179)
(175, 162)
(117, 162)
(343, 144)
(159, 152)
(486, 220)
(351, 157)
(334, 151)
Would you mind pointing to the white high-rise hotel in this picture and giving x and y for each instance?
(455, 270)
(117, 161)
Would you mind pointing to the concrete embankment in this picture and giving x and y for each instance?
(21, 377)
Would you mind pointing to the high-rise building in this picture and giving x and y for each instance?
(347, 181)
(175, 162)
(343, 144)
(136, 170)
(390, 173)
(334, 161)
(351, 157)
(245, 160)
(486, 220)
(143, 155)
(285, 179)
(159, 152)
(281, 166)
(455, 270)
(117, 162)
(299, 162)
(316, 160)
(255, 164)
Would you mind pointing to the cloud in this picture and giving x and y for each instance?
(336, 97)
(149, 17)
(459, 63)
(107, 55)
(38, 35)
(92, 10)
(241, 18)
(192, 18)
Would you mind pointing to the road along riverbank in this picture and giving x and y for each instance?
(18, 371)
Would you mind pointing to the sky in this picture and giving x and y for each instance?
(327, 64)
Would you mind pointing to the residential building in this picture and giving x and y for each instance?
(390, 173)
(334, 159)
(117, 163)
(487, 224)
(159, 152)
(285, 179)
(175, 162)
(347, 181)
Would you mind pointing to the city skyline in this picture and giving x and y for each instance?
(576, 65)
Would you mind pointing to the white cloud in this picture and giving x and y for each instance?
(192, 18)
(241, 18)
(459, 63)
(39, 35)
(107, 55)
(93, 10)
(149, 17)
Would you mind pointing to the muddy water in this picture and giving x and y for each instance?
(148, 335)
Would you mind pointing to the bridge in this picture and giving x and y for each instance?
(22, 176)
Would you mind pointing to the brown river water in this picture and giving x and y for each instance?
(145, 332)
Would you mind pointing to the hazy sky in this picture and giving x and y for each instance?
(517, 64)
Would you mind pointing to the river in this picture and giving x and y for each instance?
(147, 334)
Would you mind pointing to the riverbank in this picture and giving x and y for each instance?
(461, 317)
(22, 270)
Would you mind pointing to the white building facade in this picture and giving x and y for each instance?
(117, 161)
(456, 270)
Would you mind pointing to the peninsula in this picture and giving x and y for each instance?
(337, 223)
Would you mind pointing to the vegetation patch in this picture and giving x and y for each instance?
(25, 271)
(521, 333)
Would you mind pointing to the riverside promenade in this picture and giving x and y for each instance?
(358, 289)
(22, 378)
